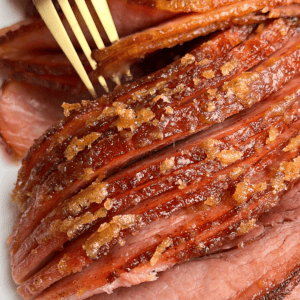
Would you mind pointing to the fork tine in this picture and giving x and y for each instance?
(90, 22)
(51, 18)
(103, 12)
(67, 10)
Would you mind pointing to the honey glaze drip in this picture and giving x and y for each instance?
(161, 248)
(78, 145)
(108, 231)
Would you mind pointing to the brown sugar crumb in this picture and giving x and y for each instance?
(273, 133)
(182, 184)
(188, 59)
(78, 145)
(63, 267)
(108, 204)
(86, 175)
(212, 201)
(139, 95)
(72, 225)
(203, 62)
(245, 227)
(227, 157)
(293, 144)
(161, 248)
(84, 103)
(210, 148)
(162, 118)
(229, 66)
(210, 107)
(169, 110)
(236, 172)
(108, 231)
(69, 107)
(208, 74)
(245, 189)
(287, 171)
(212, 92)
(278, 184)
(283, 29)
(162, 97)
(239, 86)
(156, 136)
(167, 166)
(95, 193)
(196, 80)
(291, 170)
(130, 119)
(155, 122)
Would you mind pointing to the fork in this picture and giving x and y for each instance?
(50, 16)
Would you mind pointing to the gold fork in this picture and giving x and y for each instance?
(50, 16)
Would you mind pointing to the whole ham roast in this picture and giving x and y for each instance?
(182, 183)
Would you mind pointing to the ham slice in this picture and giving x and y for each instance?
(128, 19)
(108, 200)
(252, 270)
(114, 60)
(25, 112)
(211, 187)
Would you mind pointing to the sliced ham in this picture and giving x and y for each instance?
(25, 112)
(177, 165)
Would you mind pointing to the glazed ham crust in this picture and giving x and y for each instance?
(94, 185)
(182, 163)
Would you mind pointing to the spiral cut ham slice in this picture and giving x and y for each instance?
(211, 187)
(175, 186)
(115, 60)
(74, 127)
(191, 234)
(34, 209)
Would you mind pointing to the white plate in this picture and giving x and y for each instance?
(11, 11)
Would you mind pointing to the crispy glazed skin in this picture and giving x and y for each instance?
(107, 198)
(61, 186)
